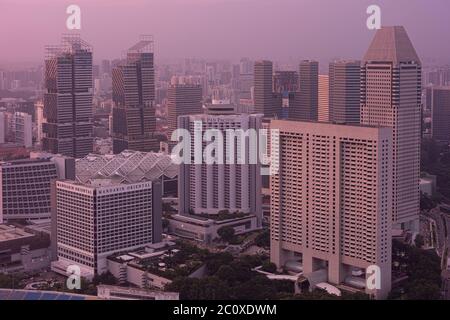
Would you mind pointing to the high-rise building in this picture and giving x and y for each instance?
(134, 121)
(391, 96)
(439, 101)
(2, 80)
(106, 67)
(230, 185)
(266, 101)
(331, 202)
(183, 99)
(2, 127)
(306, 102)
(344, 86)
(246, 66)
(25, 186)
(23, 129)
(285, 81)
(68, 98)
(39, 116)
(101, 217)
(323, 113)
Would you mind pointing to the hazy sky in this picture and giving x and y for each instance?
(274, 29)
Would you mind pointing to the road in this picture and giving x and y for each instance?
(442, 221)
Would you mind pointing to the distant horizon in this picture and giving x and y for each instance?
(279, 30)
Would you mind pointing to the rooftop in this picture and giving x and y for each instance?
(391, 44)
(126, 167)
(8, 233)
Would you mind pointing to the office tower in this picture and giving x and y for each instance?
(39, 116)
(391, 96)
(331, 201)
(2, 127)
(235, 71)
(134, 121)
(101, 217)
(211, 188)
(344, 98)
(266, 101)
(439, 101)
(68, 98)
(183, 99)
(23, 130)
(245, 85)
(246, 66)
(2, 80)
(96, 71)
(437, 77)
(285, 81)
(306, 105)
(25, 188)
(323, 113)
(106, 67)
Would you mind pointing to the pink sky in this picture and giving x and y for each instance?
(274, 29)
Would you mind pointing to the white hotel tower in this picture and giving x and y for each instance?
(210, 188)
(102, 217)
(331, 206)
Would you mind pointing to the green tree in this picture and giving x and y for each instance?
(208, 288)
(214, 262)
(423, 290)
(269, 267)
(225, 273)
(419, 241)
(258, 287)
(226, 233)
(7, 281)
(263, 239)
(426, 203)
(104, 278)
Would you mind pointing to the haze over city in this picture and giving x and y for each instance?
(225, 150)
(283, 30)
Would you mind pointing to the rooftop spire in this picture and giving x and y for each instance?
(391, 44)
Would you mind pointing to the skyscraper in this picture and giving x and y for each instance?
(106, 67)
(39, 116)
(439, 101)
(306, 102)
(101, 217)
(344, 96)
(134, 121)
(23, 129)
(266, 101)
(331, 202)
(68, 98)
(391, 96)
(246, 66)
(285, 81)
(25, 187)
(2, 127)
(323, 113)
(183, 99)
(211, 188)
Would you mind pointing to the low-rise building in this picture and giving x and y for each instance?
(125, 293)
(206, 229)
(23, 249)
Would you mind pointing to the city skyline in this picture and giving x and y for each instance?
(239, 150)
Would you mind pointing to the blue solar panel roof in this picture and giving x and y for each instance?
(12, 294)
